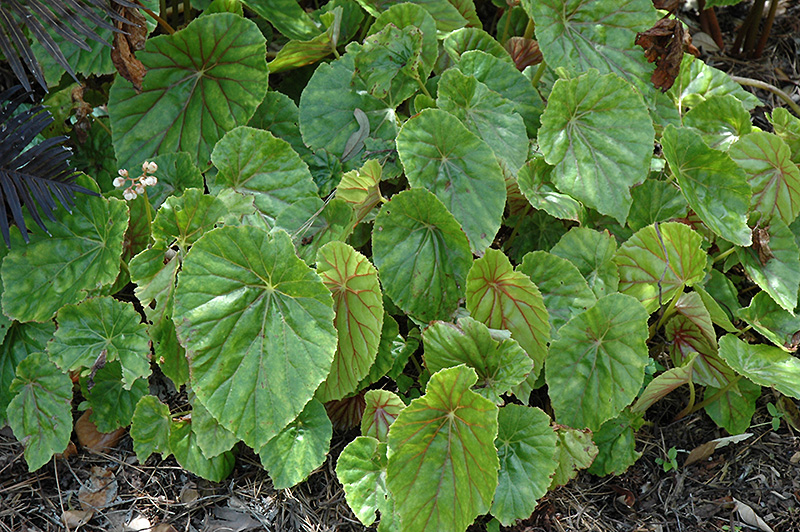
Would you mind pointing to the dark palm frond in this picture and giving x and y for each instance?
(32, 176)
(60, 16)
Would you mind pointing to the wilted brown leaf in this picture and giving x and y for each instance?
(761, 245)
(99, 491)
(91, 438)
(701, 452)
(71, 450)
(524, 52)
(664, 45)
(125, 44)
(74, 519)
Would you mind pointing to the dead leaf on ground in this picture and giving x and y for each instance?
(74, 519)
(664, 45)
(91, 438)
(99, 491)
(71, 450)
(230, 520)
(701, 452)
(163, 527)
(749, 516)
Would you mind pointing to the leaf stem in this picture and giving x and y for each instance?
(668, 312)
(423, 88)
(539, 73)
(723, 254)
(163, 23)
(719, 393)
(771, 88)
(529, 29)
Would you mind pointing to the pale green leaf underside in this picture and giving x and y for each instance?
(763, 364)
(257, 324)
(358, 302)
(381, 409)
(442, 468)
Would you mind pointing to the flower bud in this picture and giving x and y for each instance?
(152, 167)
(144, 166)
(129, 194)
(139, 189)
(118, 182)
(123, 172)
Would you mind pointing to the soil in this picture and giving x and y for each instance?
(758, 477)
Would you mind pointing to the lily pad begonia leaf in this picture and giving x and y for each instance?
(443, 465)
(763, 364)
(698, 81)
(328, 104)
(150, 428)
(389, 61)
(487, 114)
(279, 115)
(183, 444)
(257, 324)
(787, 127)
(575, 451)
(464, 40)
(183, 219)
(154, 271)
(502, 298)
(176, 173)
(252, 161)
(563, 288)
(501, 364)
(773, 176)
(721, 120)
(775, 323)
(82, 254)
(212, 438)
(580, 35)
(170, 355)
(40, 413)
(616, 444)
(734, 409)
(713, 184)
(21, 340)
(287, 16)
(111, 402)
(406, 15)
(596, 366)
(216, 67)
(655, 201)
(447, 16)
(592, 252)
(691, 306)
(299, 448)
(526, 446)
(361, 468)
(98, 330)
(533, 180)
(687, 339)
(658, 261)
(382, 408)
(501, 76)
(775, 265)
(440, 154)
(415, 229)
(585, 134)
(358, 302)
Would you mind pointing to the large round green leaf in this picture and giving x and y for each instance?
(721, 120)
(299, 448)
(773, 176)
(787, 127)
(563, 288)
(420, 251)
(697, 82)
(409, 14)
(526, 446)
(775, 266)
(361, 468)
(52, 271)
(575, 451)
(501, 76)
(658, 261)
(500, 363)
(40, 414)
(616, 444)
(150, 428)
(586, 134)
(183, 444)
(99, 330)
(580, 35)
(443, 464)
(596, 367)
(111, 402)
(592, 252)
(257, 324)
(655, 201)
(183, 219)
(440, 154)
(762, 364)
(358, 302)
(21, 340)
(212, 438)
(713, 184)
(502, 298)
(534, 181)
(253, 161)
(733, 410)
(487, 114)
(328, 104)
(201, 82)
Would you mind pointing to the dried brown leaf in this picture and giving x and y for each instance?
(664, 45)
(92, 439)
(701, 452)
(99, 491)
(74, 519)
(125, 44)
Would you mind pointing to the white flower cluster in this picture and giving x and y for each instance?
(136, 188)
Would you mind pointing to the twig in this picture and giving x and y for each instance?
(772, 88)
